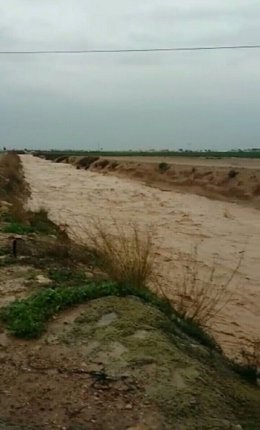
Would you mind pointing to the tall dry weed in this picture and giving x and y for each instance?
(124, 253)
(200, 297)
(13, 188)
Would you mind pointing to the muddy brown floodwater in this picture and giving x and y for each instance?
(221, 230)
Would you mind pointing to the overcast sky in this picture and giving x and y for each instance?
(192, 100)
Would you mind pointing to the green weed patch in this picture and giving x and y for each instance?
(68, 275)
(26, 318)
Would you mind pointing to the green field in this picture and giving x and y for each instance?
(211, 154)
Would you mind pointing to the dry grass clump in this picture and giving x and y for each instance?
(13, 188)
(200, 298)
(11, 177)
(126, 255)
(17, 212)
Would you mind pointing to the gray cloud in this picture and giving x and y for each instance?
(199, 100)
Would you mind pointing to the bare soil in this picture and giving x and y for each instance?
(108, 365)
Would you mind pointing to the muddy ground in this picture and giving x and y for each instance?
(109, 365)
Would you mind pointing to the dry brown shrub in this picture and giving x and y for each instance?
(13, 187)
(10, 175)
(18, 213)
(126, 254)
(200, 298)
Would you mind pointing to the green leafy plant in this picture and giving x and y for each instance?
(26, 318)
(17, 228)
(21, 222)
(68, 275)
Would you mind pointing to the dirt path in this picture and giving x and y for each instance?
(221, 229)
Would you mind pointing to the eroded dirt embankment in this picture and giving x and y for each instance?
(152, 381)
(221, 229)
(222, 179)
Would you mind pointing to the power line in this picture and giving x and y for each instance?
(120, 51)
